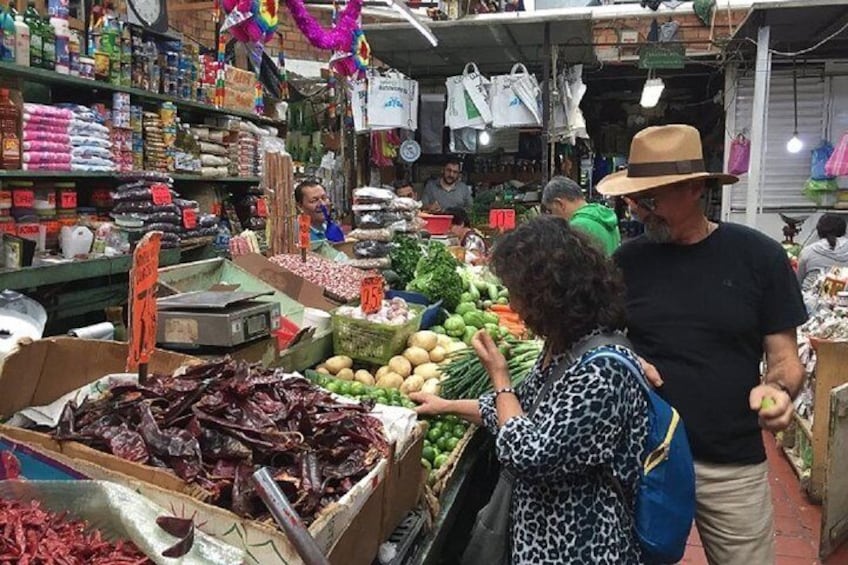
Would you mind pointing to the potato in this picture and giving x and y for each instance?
(426, 340)
(364, 377)
(400, 365)
(337, 363)
(431, 386)
(381, 371)
(428, 371)
(323, 370)
(412, 384)
(438, 354)
(345, 375)
(444, 341)
(417, 356)
(390, 380)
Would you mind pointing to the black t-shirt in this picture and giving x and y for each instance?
(700, 313)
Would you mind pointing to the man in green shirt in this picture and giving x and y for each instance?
(564, 198)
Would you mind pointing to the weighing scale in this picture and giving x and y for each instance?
(210, 318)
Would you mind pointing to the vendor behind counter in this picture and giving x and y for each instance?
(312, 199)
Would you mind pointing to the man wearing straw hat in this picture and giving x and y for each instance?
(705, 302)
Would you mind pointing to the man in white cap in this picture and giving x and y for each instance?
(705, 302)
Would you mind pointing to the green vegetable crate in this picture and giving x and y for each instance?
(369, 342)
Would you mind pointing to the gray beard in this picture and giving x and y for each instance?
(657, 231)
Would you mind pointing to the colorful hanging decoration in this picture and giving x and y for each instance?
(251, 21)
(344, 38)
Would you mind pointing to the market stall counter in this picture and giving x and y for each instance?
(347, 525)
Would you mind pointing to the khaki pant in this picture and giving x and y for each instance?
(734, 514)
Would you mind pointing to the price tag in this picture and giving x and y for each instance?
(371, 294)
(9, 228)
(161, 194)
(28, 231)
(261, 208)
(304, 223)
(189, 218)
(69, 199)
(53, 228)
(217, 209)
(144, 277)
(502, 219)
(23, 199)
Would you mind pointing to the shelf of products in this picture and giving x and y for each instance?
(52, 78)
(75, 175)
(58, 273)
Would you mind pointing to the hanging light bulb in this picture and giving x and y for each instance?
(651, 92)
(795, 144)
(484, 138)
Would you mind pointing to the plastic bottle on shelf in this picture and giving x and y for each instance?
(10, 121)
(48, 38)
(22, 39)
(36, 39)
(8, 25)
(62, 35)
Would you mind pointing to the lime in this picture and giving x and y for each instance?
(334, 386)
(434, 434)
(442, 444)
(428, 453)
(451, 444)
(451, 419)
(459, 431)
(344, 388)
(427, 465)
(380, 393)
(357, 388)
(439, 461)
(768, 402)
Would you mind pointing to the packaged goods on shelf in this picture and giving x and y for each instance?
(91, 140)
(46, 133)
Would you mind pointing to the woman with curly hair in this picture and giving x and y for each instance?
(582, 445)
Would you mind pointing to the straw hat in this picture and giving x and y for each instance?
(660, 156)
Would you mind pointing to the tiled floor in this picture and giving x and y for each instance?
(797, 522)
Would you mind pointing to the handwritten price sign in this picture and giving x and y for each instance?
(262, 208)
(144, 277)
(502, 219)
(161, 194)
(371, 294)
(189, 218)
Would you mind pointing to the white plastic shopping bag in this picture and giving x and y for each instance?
(392, 101)
(359, 105)
(468, 100)
(516, 99)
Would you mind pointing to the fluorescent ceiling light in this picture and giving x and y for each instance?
(401, 8)
(651, 92)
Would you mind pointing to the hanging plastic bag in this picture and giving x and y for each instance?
(359, 105)
(837, 164)
(740, 155)
(516, 99)
(820, 156)
(822, 192)
(392, 101)
(468, 100)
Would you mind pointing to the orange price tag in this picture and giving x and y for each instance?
(304, 223)
(261, 208)
(23, 199)
(69, 200)
(189, 218)
(502, 219)
(161, 194)
(144, 277)
(371, 294)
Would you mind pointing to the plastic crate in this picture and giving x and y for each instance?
(369, 342)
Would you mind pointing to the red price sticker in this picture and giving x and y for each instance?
(28, 231)
(69, 200)
(502, 219)
(304, 223)
(9, 228)
(161, 194)
(23, 199)
(189, 218)
(261, 208)
(371, 294)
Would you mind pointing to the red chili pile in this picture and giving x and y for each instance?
(31, 535)
(341, 281)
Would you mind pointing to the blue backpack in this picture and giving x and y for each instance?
(665, 501)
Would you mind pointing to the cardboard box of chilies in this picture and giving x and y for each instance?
(38, 373)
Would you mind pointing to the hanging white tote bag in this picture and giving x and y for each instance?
(468, 100)
(516, 99)
(359, 105)
(392, 101)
